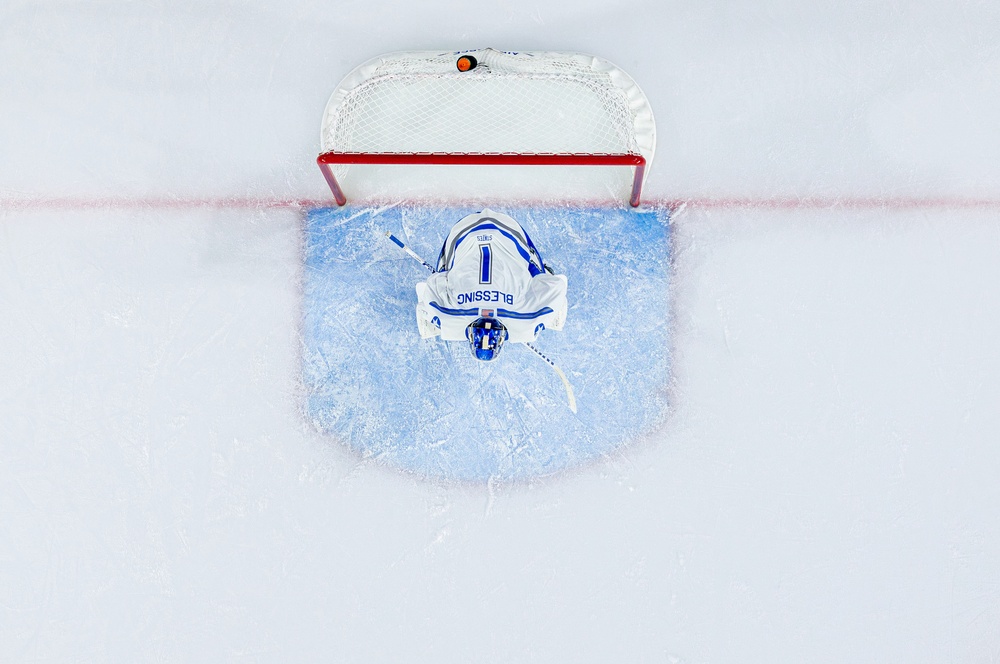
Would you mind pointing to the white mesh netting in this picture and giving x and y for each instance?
(524, 103)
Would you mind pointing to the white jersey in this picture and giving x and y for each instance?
(489, 267)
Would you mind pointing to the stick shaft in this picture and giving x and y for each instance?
(409, 252)
(565, 381)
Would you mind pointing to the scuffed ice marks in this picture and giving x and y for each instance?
(429, 406)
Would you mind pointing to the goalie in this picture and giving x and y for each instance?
(490, 286)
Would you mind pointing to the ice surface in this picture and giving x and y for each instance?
(429, 406)
(823, 490)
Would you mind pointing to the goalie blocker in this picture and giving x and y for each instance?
(490, 269)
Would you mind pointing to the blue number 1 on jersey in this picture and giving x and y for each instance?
(485, 264)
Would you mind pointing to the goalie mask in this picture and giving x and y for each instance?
(486, 337)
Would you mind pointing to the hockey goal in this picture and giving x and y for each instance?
(506, 109)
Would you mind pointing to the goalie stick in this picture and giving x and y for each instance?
(569, 388)
(410, 252)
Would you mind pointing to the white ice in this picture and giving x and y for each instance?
(825, 488)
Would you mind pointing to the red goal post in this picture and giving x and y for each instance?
(512, 109)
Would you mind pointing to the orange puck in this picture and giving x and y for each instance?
(466, 63)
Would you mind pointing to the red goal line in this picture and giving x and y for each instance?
(832, 202)
(180, 203)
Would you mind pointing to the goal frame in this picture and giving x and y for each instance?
(328, 159)
(633, 158)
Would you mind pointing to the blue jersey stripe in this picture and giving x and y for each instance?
(507, 313)
(501, 313)
(454, 312)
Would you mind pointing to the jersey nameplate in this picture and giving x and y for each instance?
(485, 296)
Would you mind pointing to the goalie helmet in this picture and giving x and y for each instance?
(486, 337)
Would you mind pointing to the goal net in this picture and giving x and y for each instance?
(549, 112)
